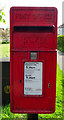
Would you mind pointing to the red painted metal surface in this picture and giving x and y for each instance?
(33, 29)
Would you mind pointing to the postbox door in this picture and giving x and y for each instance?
(40, 101)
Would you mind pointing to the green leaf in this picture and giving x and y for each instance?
(0, 17)
(3, 13)
(3, 20)
(0, 11)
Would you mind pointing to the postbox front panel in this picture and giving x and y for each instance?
(34, 39)
(33, 60)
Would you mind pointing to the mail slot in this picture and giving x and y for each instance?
(33, 56)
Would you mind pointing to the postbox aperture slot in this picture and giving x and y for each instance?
(34, 28)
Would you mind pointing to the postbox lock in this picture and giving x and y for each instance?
(33, 55)
(48, 85)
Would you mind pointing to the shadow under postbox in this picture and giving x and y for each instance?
(33, 56)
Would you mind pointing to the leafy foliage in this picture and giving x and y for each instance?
(7, 114)
(1, 16)
(60, 43)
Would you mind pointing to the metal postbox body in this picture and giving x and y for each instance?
(33, 56)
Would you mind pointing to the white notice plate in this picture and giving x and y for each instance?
(33, 78)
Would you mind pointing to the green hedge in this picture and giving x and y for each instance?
(5, 42)
(60, 43)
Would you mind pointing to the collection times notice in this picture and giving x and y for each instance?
(33, 78)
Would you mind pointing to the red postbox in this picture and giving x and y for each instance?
(33, 56)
